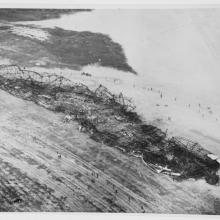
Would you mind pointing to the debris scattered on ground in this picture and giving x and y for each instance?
(110, 119)
(86, 74)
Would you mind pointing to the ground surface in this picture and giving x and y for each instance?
(33, 178)
(33, 46)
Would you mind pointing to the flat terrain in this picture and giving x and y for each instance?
(86, 177)
(48, 165)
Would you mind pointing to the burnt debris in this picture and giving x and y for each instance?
(111, 119)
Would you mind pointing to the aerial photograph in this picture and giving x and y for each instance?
(110, 110)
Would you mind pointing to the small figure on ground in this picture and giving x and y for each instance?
(129, 199)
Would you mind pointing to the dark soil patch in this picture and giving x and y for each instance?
(17, 14)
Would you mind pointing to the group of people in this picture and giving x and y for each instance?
(202, 110)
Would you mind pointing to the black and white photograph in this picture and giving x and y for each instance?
(113, 110)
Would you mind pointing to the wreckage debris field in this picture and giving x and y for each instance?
(110, 119)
